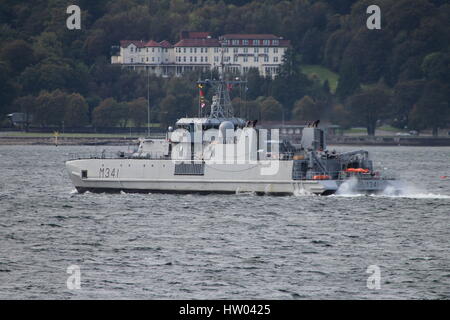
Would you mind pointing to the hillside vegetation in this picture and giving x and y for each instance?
(398, 75)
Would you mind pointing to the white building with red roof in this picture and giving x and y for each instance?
(198, 51)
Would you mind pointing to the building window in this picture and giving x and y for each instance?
(201, 59)
(266, 59)
(275, 59)
(195, 59)
(216, 50)
(131, 49)
(275, 42)
(142, 60)
(245, 69)
(255, 59)
(235, 59)
(206, 59)
(184, 50)
(266, 50)
(266, 42)
(153, 49)
(184, 58)
(235, 50)
(131, 60)
(256, 42)
(245, 59)
(245, 42)
(275, 50)
(206, 50)
(235, 42)
(256, 50)
(195, 50)
(216, 59)
(245, 50)
(147, 59)
(153, 59)
(190, 59)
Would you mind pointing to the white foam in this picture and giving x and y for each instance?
(397, 189)
(348, 188)
(414, 196)
(302, 192)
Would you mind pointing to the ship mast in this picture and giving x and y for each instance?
(221, 106)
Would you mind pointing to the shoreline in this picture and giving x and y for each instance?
(66, 141)
(336, 140)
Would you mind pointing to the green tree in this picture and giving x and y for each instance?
(255, 84)
(110, 113)
(7, 88)
(432, 110)
(405, 96)
(290, 84)
(76, 113)
(271, 110)
(48, 75)
(27, 105)
(171, 109)
(348, 82)
(18, 54)
(50, 108)
(366, 108)
(306, 109)
(48, 45)
(138, 111)
(247, 109)
(436, 66)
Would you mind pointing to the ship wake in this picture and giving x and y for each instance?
(399, 190)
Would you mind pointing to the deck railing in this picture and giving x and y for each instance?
(117, 155)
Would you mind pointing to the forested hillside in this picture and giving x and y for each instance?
(397, 75)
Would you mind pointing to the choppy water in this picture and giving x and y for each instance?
(222, 246)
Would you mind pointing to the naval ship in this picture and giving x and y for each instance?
(217, 152)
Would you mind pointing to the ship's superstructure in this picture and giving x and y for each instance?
(218, 152)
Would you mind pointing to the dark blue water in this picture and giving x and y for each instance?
(222, 246)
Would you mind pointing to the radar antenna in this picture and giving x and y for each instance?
(221, 106)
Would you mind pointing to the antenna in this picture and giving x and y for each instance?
(221, 106)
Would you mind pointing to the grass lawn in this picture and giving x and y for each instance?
(356, 130)
(392, 129)
(323, 74)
